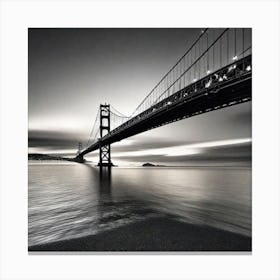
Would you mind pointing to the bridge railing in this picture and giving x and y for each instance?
(212, 81)
(213, 49)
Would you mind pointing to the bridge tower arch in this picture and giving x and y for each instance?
(105, 150)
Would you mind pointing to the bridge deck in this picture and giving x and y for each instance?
(228, 86)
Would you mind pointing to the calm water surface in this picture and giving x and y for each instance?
(67, 200)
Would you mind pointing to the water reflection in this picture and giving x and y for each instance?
(67, 201)
(105, 175)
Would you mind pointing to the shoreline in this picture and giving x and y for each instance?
(154, 235)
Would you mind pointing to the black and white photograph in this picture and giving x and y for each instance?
(139, 139)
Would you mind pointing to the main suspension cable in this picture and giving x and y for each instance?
(93, 127)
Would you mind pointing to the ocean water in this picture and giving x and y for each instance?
(68, 200)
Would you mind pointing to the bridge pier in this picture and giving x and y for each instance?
(79, 159)
(105, 156)
(104, 151)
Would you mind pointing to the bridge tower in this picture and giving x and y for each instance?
(104, 151)
(80, 147)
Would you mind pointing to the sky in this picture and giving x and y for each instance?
(72, 71)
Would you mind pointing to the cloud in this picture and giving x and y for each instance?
(52, 140)
(59, 140)
(141, 143)
(143, 149)
(189, 149)
(231, 151)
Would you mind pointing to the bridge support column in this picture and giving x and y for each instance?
(105, 156)
(104, 151)
(79, 159)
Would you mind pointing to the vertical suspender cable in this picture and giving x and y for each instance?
(221, 52)
(195, 65)
(213, 50)
(207, 52)
(235, 42)
(199, 62)
(228, 46)
(93, 127)
(243, 43)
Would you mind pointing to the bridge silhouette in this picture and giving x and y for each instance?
(214, 73)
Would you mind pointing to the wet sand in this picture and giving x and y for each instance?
(156, 234)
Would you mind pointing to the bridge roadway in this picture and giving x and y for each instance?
(225, 87)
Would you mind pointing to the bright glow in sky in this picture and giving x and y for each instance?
(182, 150)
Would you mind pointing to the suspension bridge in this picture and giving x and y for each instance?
(215, 72)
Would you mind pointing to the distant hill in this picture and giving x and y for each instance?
(148, 164)
(46, 157)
